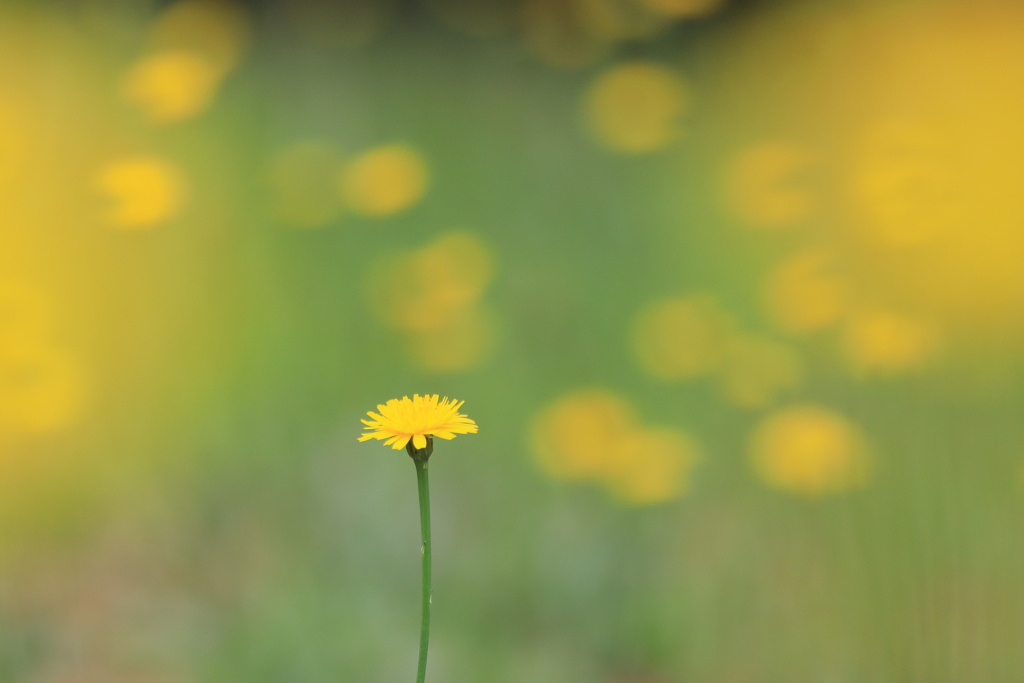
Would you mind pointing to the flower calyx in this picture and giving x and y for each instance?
(420, 454)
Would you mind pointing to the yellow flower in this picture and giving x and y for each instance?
(416, 419)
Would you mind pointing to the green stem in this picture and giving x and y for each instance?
(424, 488)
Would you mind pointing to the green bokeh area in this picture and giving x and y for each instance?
(211, 516)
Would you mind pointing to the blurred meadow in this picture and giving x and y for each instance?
(733, 289)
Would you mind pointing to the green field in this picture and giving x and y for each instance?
(733, 292)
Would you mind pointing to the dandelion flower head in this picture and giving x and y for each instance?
(400, 421)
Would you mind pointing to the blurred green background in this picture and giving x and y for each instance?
(733, 290)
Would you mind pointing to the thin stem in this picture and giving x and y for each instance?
(424, 488)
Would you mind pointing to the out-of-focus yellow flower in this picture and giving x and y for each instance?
(430, 288)
(805, 293)
(399, 421)
(907, 183)
(936, 204)
(433, 296)
(681, 338)
(595, 436)
(652, 466)
(635, 107)
(942, 199)
(42, 388)
(171, 86)
(755, 371)
(216, 30)
(811, 451)
(762, 185)
(463, 343)
(886, 342)
(577, 436)
(302, 178)
(384, 180)
(193, 45)
(457, 268)
(144, 191)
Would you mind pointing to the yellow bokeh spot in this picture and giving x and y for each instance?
(944, 199)
(615, 20)
(429, 288)
(762, 185)
(302, 180)
(575, 438)
(907, 183)
(433, 296)
(171, 86)
(193, 45)
(683, 9)
(384, 180)
(636, 107)
(810, 451)
(144, 192)
(41, 389)
(756, 371)
(805, 293)
(595, 436)
(216, 30)
(934, 173)
(463, 343)
(883, 341)
(652, 466)
(678, 339)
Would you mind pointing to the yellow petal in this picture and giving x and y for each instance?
(403, 420)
